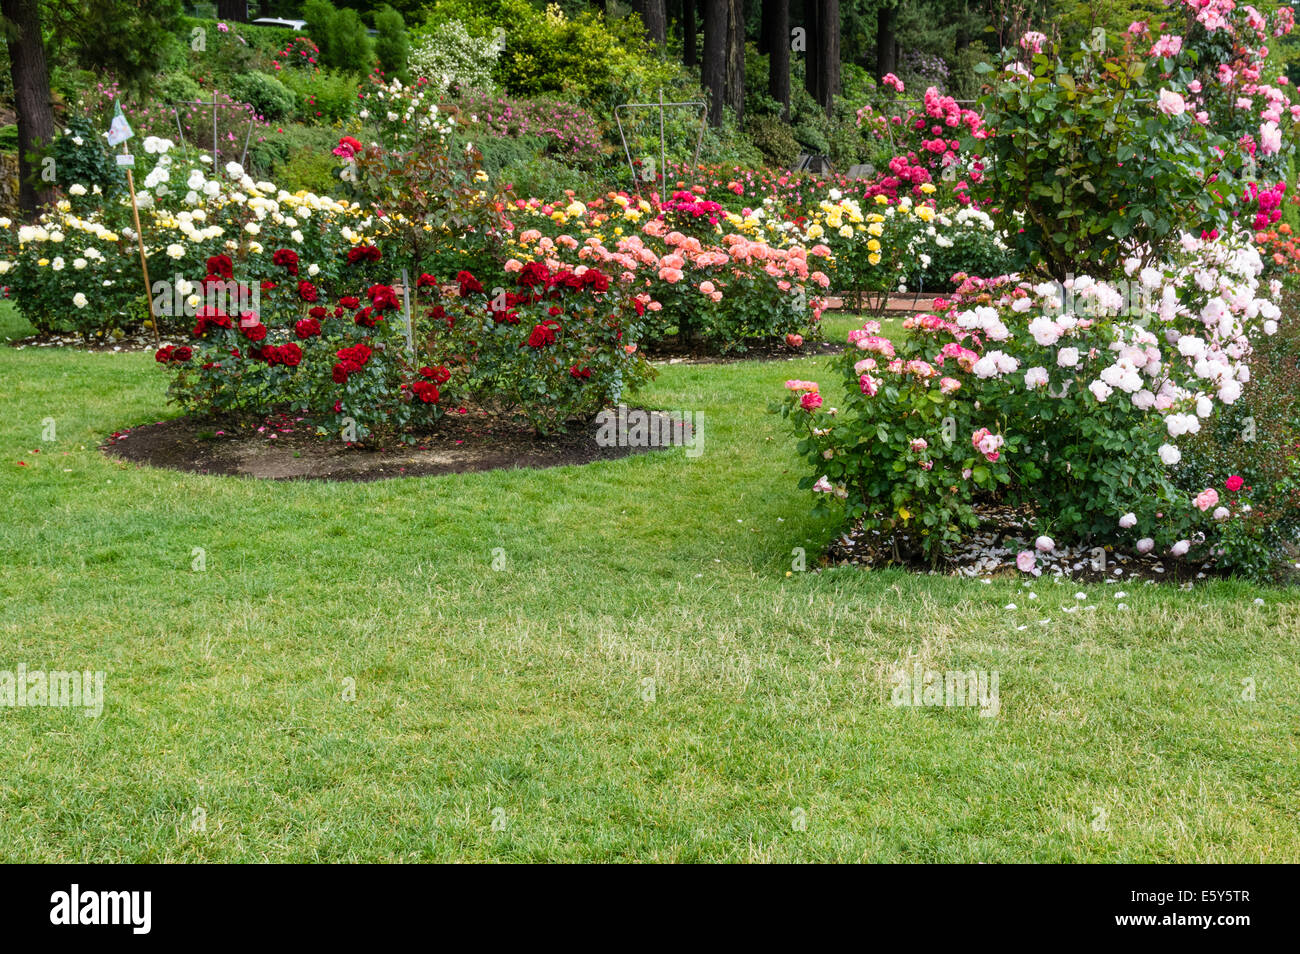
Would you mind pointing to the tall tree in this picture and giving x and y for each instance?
(31, 78)
(713, 70)
(776, 29)
(812, 48)
(232, 10)
(887, 40)
(828, 62)
(655, 18)
(688, 32)
(735, 85)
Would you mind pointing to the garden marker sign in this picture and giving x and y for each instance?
(119, 131)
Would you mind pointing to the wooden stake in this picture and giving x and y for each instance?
(144, 262)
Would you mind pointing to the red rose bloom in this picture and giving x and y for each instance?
(426, 391)
(468, 284)
(267, 284)
(350, 301)
(595, 280)
(317, 312)
(340, 374)
(543, 334)
(253, 332)
(382, 297)
(534, 273)
(1233, 483)
(307, 291)
(164, 354)
(307, 328)
(286, 259)
(578, 372)
(426, 281)
(183, 353)
(221, 265)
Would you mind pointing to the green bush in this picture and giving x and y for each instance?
(179, 88)
(324, 96)
(341, 36)
(266, 94)
(537, 177)
(772, 137)
(392, 46)
(299, 157)
(9, 138)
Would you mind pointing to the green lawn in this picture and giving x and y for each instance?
(523, 696)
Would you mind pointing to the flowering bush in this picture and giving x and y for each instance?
(448, 57)
(1068, 400)
(81, 270)
(1129, 142)
(722, 289)
(558, 347)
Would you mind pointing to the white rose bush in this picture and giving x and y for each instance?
(1069, 399)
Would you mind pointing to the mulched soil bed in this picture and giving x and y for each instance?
(287, 448)
(991, 554)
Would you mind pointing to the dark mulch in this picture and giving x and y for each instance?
(288, 448)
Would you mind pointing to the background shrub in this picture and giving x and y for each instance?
(266, 94)
(341, 35)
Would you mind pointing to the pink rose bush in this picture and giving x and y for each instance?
(1068, 398)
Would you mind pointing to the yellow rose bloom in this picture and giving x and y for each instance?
(874, 258)
(874, 246)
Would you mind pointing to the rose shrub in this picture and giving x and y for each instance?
(1068, 400)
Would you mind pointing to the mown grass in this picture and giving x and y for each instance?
(642, 681)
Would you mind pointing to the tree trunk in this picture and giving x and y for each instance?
(812, 48)
(735, 88)
(886, 39)
(232, 10)
(776, 22)
(828, 62)
(688, 32)
(655, 19)
(31, 79)
(714, 70)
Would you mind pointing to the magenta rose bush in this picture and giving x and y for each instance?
(1069, 399)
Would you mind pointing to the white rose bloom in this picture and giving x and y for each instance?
(79, 263)
(80, 300)
(57, 264)
(176, 250)
(76, 189)
(313, 270)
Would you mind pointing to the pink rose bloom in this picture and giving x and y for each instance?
(1128, 521)
(811, 401)
(918, 443)
(1167, 46)
(1145, 545)
(949, 385)
(870, 386)
(1270, 138)
(1045, 544)
(1180, 548)
(1171, 103)
(1206, 499)
(1233, 483)
(1026, 561)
